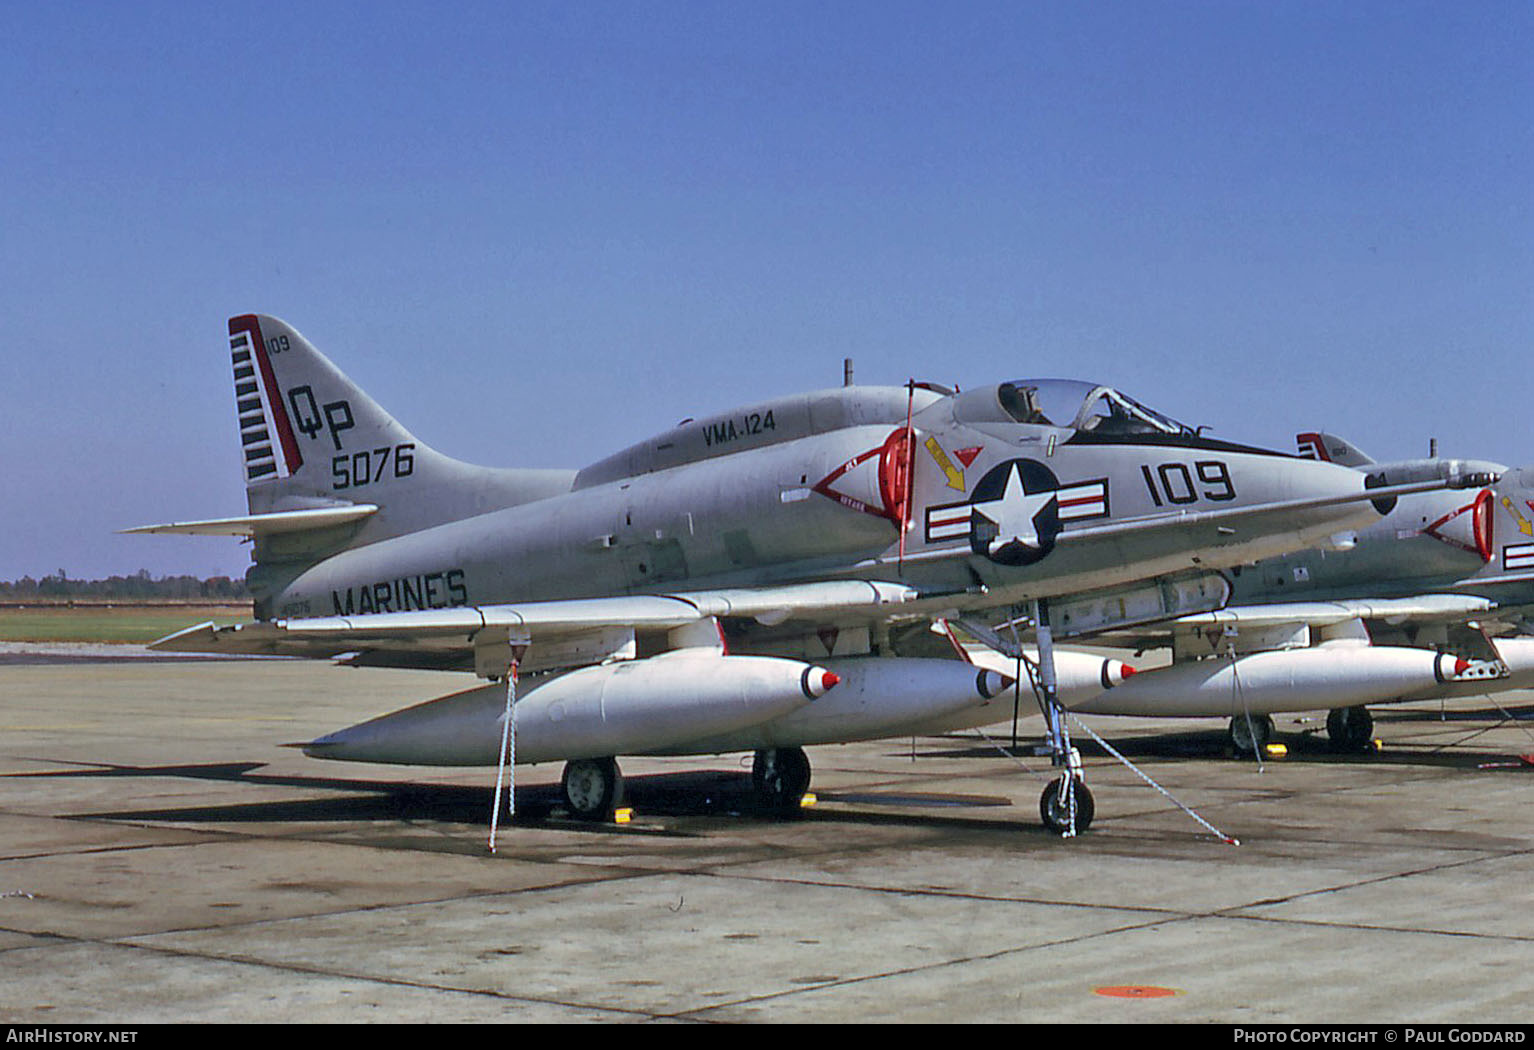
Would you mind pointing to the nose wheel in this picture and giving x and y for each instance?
(1066, 806)
(1057, 801)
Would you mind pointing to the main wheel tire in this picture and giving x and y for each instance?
(1055, 813)
(780, 777)
(593, 787)
(1251, 734)
(1350, 730)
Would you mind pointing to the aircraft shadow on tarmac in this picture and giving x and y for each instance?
(699, 793)
(1514, 713)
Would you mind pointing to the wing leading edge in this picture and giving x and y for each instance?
(557, 634)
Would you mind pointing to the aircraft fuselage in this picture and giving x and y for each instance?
(815, 486)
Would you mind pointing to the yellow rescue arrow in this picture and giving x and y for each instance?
(955, 475)
(1524, 525)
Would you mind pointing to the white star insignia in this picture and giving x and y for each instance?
(1013, 512)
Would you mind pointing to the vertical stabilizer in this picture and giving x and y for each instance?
(300, 416)
(308, 434)
(310, 438)
(1329, 448)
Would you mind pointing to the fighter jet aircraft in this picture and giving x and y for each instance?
(761, 578)
(1427, 603)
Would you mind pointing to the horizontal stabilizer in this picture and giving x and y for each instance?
(266, 524)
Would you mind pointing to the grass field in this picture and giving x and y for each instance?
(114, 623)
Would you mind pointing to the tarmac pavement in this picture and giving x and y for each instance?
(163, 859)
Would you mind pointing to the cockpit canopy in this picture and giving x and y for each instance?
(1091, 408)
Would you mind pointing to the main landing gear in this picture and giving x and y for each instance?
(1251, 734)
(593, 787)
(780, 778)
(1350, 730)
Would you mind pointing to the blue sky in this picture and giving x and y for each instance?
(537, 232)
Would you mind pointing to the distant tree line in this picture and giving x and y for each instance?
(139, 586)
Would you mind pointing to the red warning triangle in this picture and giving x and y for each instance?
(967, 455)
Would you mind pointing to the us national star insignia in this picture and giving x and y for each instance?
(1015, 514)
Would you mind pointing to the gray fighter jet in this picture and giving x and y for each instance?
(1429, 602)
(762, 578)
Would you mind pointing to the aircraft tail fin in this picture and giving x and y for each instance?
(301, 420)
(311, 438)
(313, 441)
(1330, 448)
